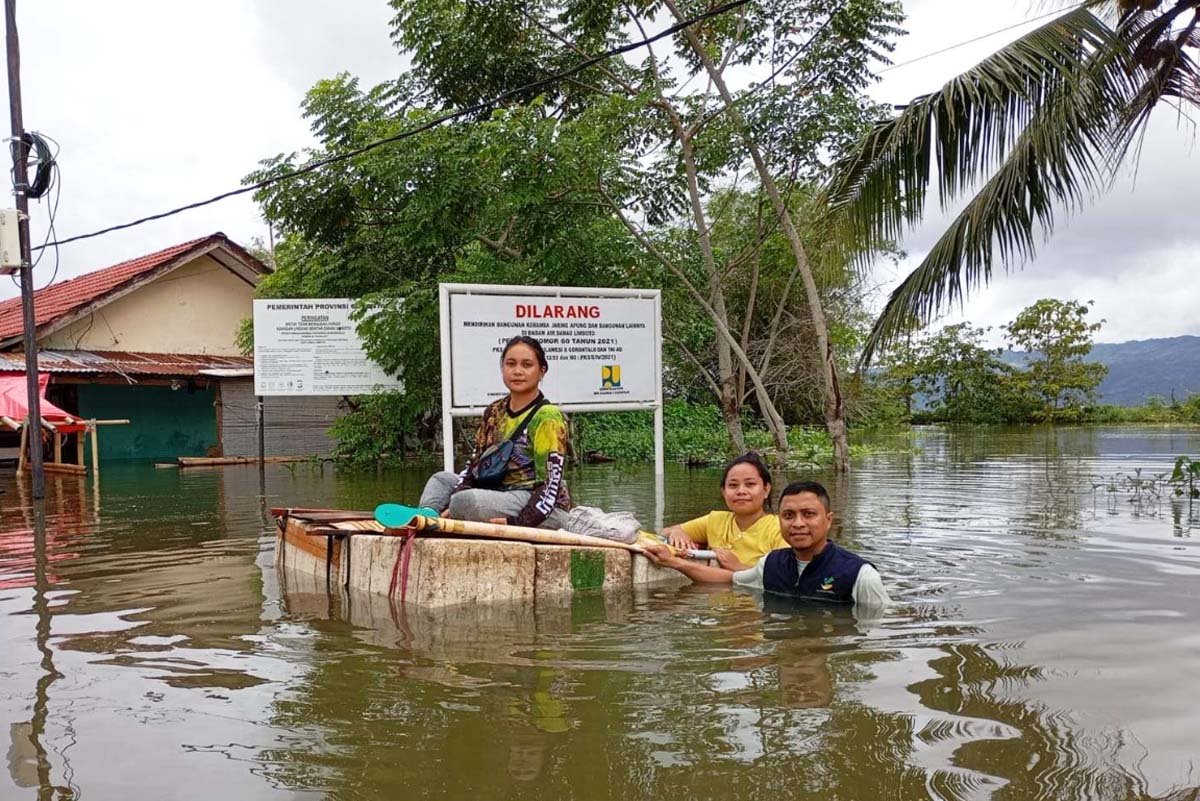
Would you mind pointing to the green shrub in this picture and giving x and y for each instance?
(693, 433)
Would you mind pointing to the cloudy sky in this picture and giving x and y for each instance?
(159, 104)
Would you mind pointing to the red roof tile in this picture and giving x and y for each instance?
(65, 297)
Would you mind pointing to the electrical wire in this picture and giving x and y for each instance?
(462, 112)
(435, 122)
(48, 176)
(980, 38)
(52, 179)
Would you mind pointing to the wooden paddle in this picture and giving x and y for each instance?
(322, 515)
(394, 515)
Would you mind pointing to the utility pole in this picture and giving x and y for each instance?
(20, 151)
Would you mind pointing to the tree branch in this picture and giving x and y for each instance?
(708, 379)
(666, 261)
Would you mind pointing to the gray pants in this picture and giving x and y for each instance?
(480, 504)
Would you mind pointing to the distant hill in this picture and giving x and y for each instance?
(1142, 368)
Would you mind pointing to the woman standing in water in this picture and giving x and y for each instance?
(744, 534)
(516, 474)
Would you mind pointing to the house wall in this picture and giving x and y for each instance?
(293, 426)
(164, 422)
(195, 308)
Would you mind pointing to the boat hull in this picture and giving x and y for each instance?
(441, 571)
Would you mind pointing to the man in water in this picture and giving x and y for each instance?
(813, 568)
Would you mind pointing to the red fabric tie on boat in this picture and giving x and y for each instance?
(400, 568)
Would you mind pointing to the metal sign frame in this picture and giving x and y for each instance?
(450, 411)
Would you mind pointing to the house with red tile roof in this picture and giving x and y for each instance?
(153, 340)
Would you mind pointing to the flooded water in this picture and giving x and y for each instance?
(1043, 645)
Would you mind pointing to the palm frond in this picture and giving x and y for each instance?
(1162, 53)
(1036, 119)
(1063, 155)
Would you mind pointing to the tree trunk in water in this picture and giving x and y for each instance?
(731, 403)
(733, 423)
(835, 421)
(728, 348)
(775, 423)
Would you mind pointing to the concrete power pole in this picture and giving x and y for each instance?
(20, 151)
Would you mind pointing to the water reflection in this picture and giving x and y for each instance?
(1043, 647)
(704, 678)
(28, 760)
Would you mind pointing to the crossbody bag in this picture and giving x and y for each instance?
(488, 471)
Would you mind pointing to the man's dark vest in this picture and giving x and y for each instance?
(829, 577)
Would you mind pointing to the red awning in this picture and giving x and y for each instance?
(14, 402)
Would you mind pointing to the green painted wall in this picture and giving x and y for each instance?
(164, 423)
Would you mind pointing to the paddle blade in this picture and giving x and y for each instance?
(395, 515)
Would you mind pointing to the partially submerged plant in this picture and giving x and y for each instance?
(1185, 477)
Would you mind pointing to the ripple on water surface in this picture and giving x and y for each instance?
(1042, 646)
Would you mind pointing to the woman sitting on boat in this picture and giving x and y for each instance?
(516, 474)
(744, 534)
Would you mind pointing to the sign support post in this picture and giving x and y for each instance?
(447, 394)
(660, 494)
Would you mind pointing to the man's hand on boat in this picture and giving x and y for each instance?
(499, 521)
(728, 561)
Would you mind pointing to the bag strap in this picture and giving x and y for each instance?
(520, 429)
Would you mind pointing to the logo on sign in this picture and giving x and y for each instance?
(610, 376)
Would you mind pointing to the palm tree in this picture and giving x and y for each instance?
(1043, 123)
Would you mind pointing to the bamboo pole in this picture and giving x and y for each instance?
(24, 448)
(495, 531)
(79, 458)
(68, 469)
(95, 452)
(57, 447)
(225, 461)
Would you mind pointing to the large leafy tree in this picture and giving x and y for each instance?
(1038, 126)
(963, 380)
(612, 177)
(694, 131)
(1058, 336)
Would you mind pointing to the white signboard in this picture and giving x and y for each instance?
(600, 350)
(312, 347)
(603, 346)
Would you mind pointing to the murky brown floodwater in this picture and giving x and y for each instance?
(1044, 645)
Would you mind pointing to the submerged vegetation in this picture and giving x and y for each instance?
(692, 435)
(1145, 493)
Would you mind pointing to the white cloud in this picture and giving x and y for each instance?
(159, 104)
(1131, 251)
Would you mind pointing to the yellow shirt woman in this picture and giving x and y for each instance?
(745, 533)
(720, 530)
